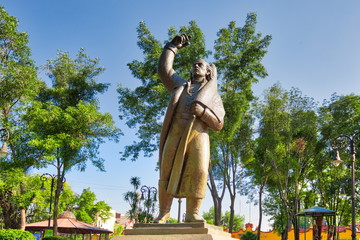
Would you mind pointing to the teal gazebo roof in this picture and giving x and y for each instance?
(316, 211)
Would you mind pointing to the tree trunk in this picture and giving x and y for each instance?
(56, 204)
(232, 189)
(55, 213)
(260, 214)
(232, 213)
(11, 217)
(23, 218)
(296, 209)
(260, 206)
(284, 234)
(296, 228)
(217, 211)
(10, 212)
(23, 210)
(60, 178)
(217, 207)
(217, 200)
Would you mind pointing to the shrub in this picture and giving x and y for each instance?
(118, 229)
(15, 234)
(249, 236)
(57, 238)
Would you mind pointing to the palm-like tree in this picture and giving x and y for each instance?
(132, 197)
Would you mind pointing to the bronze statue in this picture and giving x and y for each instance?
(184, 153)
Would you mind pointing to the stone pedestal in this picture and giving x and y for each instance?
(175, 231)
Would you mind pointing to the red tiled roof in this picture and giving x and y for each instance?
(67, 224)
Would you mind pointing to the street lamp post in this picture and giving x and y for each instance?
(148, 194)
(179, 209)
(340, 142)
(4, 136)
(52, 177)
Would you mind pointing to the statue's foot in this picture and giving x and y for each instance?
(193, 218)
(162, 218)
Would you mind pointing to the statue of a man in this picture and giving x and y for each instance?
(184, 152)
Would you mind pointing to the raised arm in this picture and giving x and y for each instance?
(166, 72)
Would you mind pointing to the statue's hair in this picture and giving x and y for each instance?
(212, 71)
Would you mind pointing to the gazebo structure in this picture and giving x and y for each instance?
(68, 225)
(318, 214)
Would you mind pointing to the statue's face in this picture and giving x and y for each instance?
(199, 68)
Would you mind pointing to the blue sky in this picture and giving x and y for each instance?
(315, 48)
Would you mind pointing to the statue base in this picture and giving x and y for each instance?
(174, 231)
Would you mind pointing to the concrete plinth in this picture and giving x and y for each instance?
(175, 231)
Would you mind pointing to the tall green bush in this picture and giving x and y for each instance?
(15, 234)
(57, 238)
(248, 236)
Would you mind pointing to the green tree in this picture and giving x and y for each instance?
(39, 208)
(17, 70)
(209, 216)
(238, 53)
(237, 222)
(340, 115)
(118, 229)
(256, 175)
(133, 198)
(225, 219)
(18, 85)
(87, 210)
(287, 145)
(142, 205)
(65, 121)
(12, 198)
(274, 128)
(19, 190)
